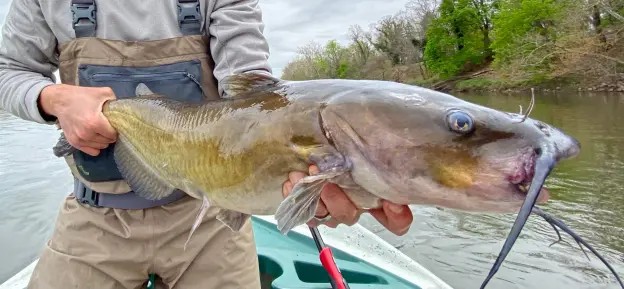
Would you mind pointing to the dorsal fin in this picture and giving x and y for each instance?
(237, 84)
(142, 90)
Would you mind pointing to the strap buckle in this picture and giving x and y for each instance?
(84, 18)
(86, 195)
(189, 17)
(127, 201)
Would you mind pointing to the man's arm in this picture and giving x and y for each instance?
(27, 60)
(238, 44)
(28, 87)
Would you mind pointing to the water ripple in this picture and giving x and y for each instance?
(33, 182)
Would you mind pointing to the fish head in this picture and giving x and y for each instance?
(412, 145)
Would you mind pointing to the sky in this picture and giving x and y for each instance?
(4, 9)
(290, 24)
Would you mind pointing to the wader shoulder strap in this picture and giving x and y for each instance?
(83, 12)
(189, 17)
(84, 17)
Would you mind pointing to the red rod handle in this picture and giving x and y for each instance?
(327, 259)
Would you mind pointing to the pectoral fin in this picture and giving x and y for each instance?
(199, 218)
(232, 219)
(300, 205)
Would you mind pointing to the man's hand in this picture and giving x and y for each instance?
(79, 112)
(396, 218)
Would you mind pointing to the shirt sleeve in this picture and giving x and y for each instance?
(27, 60)
(237, 41)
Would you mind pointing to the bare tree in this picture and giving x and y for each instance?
(311, 53)
(396, 36)
(423, 11)
(364, 49)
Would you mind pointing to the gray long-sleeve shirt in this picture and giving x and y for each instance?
(33, 28)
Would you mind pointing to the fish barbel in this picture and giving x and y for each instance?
(377, 140)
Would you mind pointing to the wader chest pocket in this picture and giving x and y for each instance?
(179, 81)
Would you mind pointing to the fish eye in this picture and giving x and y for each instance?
(460, 122)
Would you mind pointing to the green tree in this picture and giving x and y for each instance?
(455, 39)
(519, 18)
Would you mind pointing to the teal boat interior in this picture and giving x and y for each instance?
(292, 262)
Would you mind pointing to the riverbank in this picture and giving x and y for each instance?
(488, 80)
(478, 46)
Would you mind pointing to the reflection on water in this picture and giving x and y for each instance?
(587, 193)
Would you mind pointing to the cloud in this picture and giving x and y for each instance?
(4, 9)
(290, 24)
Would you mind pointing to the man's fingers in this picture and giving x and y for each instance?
(91, 144)
(286, 188)
(96, 145)
(105, 129)
(89, 150)
(332, 223)
(313, 170)
(338, 205)
(396, 218)
(98, 138)
(295, 176)
(89, 147)
(333, 201)
(94, 132)
(83, 135)
(321, 210)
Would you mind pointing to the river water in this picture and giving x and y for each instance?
(587, 194)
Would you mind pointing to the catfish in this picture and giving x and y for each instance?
(377, 140)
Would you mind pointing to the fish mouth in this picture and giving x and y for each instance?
(523, 174)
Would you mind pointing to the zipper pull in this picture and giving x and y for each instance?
(192, 77)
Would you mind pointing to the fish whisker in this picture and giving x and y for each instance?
(530, 109)
(558, 223)
(561, 239)
(558, 235)
(543, 167)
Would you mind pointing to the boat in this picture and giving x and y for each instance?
(292, 262)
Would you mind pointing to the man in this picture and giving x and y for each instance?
(105, 235)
